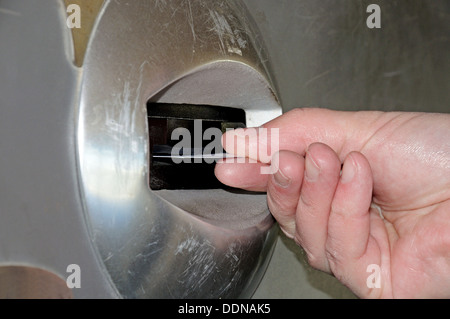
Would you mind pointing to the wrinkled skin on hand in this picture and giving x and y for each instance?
(389, 206)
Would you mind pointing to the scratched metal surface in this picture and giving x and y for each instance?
(151, 246)
(74, 147)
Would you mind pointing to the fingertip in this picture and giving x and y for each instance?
(349, 169)
(354, 191)
(357, 169)
(223, 171)
(288, 169)
(322, 168)
(321, 159)
(241, 142)
(349, 223)
(241, 175)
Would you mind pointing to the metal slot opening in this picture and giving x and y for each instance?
(185, 143)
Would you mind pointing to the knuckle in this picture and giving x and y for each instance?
(333, 257)
(278, 204)
(306, 200)
(313, 258)
(314, 261)
(288, 229)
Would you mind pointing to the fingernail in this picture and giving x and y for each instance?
(281, 179)
(239, 132)
(348, 171)
(312, 170)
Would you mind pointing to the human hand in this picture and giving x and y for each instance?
(390, 207)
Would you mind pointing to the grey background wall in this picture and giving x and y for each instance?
(324, 55)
